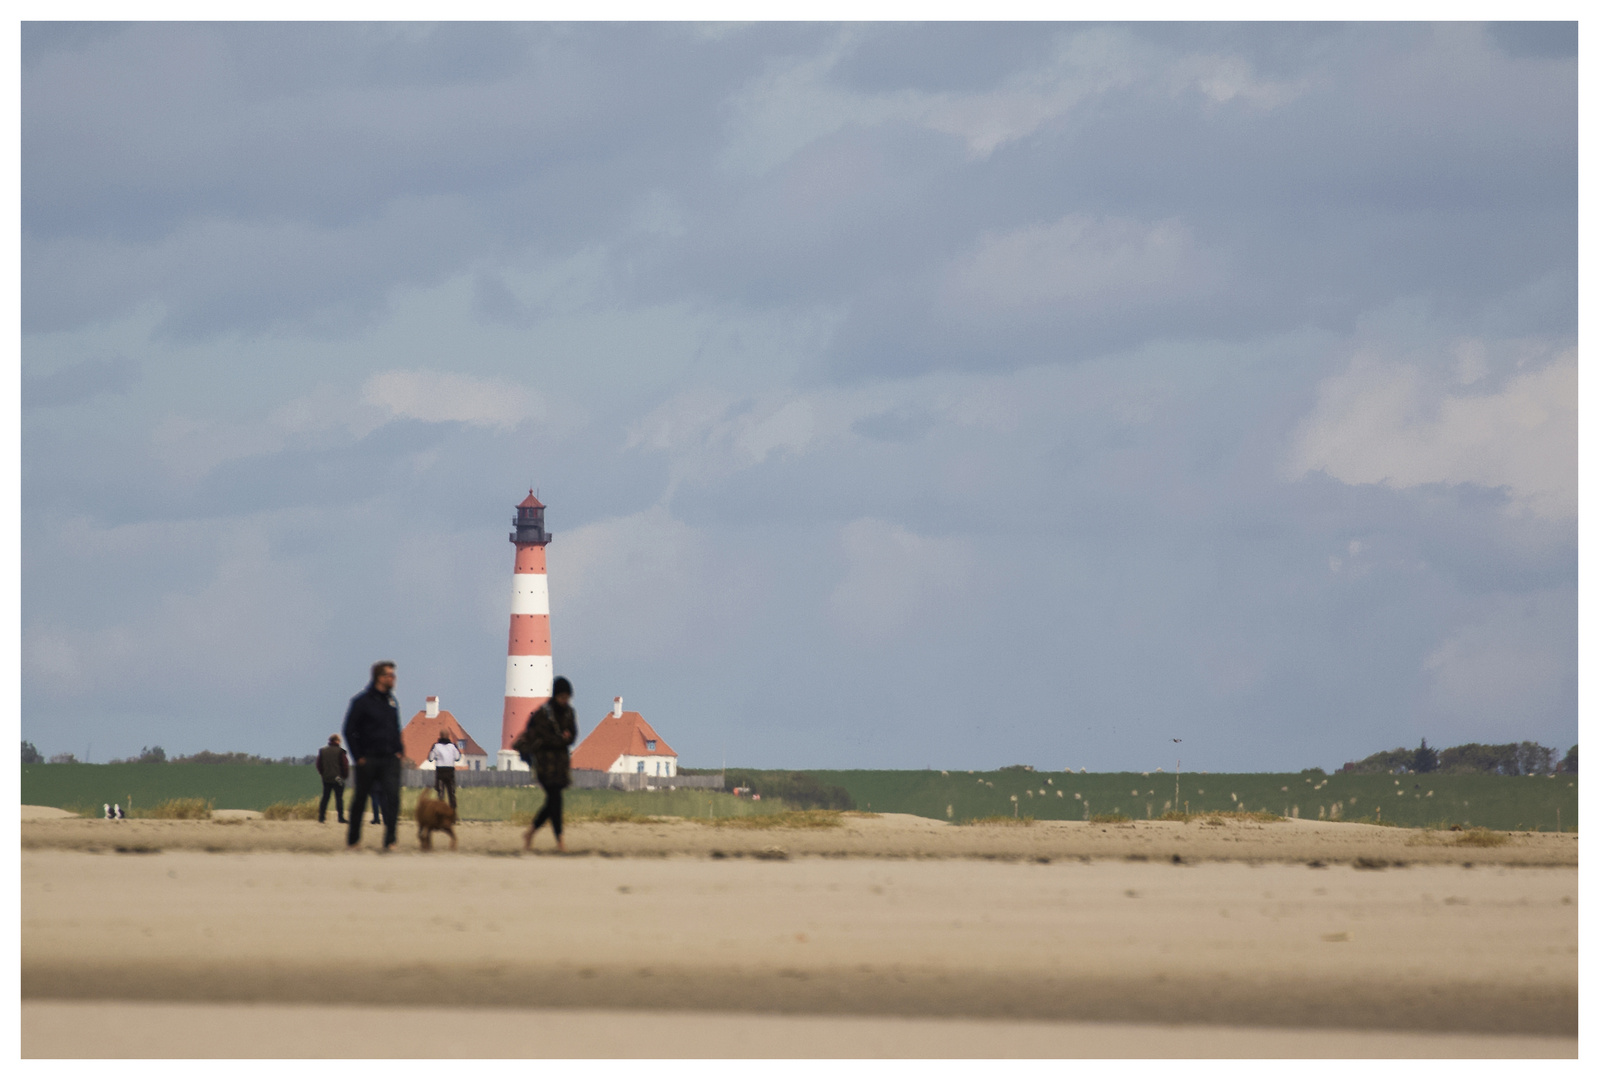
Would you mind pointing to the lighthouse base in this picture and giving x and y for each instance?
(511, 761)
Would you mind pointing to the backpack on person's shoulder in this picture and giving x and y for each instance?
(526, 744)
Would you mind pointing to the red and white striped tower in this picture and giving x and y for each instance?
(529, 671)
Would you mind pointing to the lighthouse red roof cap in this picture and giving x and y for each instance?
(530, 503)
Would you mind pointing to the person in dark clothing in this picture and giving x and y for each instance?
(333, 765)
(546, 745)
(372, 730)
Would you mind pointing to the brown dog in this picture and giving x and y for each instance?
(434, 815)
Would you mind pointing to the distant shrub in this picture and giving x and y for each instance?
(182, 809)
(237, 757)
(1503, 759)
(63, 759)
(30, 755)
(149, 755)
(1109, 819)
(997, 819)
(1481, 838)
(305, 810)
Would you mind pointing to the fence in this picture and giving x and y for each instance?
(581, 778)
(593, 778)
(423, 778)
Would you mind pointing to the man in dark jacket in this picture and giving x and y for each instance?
(551, 731)
(333, 765)
(372, 729)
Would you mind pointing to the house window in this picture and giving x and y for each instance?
(641, 766)
(649, 744)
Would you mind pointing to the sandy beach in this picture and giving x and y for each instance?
(885, 922)
(885, 836)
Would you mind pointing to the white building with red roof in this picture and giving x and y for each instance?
(423, 731)
(624, 742)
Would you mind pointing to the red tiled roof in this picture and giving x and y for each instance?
(423, 731)
(530, 502)
(615, 736)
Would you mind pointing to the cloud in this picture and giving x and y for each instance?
(193, 448)
(810, 335)
(1081, 261)
(251, 623)
(1223, 79)
(437, 397)
(1390, 423)
(80, 382)
(709, 434)
(893, 576)
(644, 586)
(795, 104)
(1510, 665)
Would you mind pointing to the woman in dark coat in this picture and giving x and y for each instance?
(546, 745)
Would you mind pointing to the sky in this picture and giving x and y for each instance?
(903, 396)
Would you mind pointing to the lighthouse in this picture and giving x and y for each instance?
(529, 671)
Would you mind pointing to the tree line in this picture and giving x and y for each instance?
(155, 755)
(1500, 759)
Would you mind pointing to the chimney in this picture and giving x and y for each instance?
(433, 707)
(616, 708)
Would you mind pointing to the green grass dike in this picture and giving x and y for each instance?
(1415, 800)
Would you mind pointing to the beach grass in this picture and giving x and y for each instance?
(304, 810)
(178, 809)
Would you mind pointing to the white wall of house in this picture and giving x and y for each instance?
(654, 765)
(467, 762)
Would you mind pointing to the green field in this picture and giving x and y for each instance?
(1496, 802)
(87, 788)
(234, 787)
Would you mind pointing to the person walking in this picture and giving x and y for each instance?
(444, 755)
(372, 730)
(546, 745)
(333, 765)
